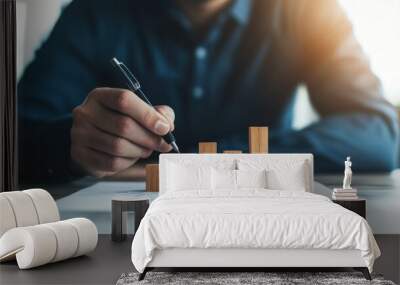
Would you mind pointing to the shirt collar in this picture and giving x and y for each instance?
(240, 10)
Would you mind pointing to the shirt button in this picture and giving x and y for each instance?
(201, 53)
(197, 92)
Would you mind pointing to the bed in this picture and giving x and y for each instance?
(247, 211)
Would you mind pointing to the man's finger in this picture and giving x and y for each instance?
(168, 113)
(128, 103)
(119, 125)
(92, 137)
(98, 163)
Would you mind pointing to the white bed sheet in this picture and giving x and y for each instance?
(251, 218)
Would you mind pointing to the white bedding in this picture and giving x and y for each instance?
(251, 218)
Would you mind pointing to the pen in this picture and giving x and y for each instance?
(134, 86)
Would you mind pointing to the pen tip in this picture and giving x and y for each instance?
(175, 147)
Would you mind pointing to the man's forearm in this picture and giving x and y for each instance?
(368, 139)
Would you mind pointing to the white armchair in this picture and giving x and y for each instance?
(31, 231)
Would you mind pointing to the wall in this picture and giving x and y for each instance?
(376, 26)
(35, 19)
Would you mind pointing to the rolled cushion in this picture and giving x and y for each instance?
(23, 208)
(37, 245)
(46, 207)
(67, 240)
(26, 208)
(87, 234)
(33, 246)
(7, 218)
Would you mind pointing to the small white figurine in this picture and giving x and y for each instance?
(347, 174)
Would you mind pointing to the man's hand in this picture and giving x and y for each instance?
(114, 128)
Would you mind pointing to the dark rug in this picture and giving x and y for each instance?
(269, 278)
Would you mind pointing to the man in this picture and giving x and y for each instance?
(214, 67)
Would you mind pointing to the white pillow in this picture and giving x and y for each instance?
(290, 175)
(291, 179)
(251, 178)
(183, 178)
(223, 179)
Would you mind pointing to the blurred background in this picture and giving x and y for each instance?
(35, 19)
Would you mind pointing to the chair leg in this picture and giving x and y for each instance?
(364, 271)
(142, 275)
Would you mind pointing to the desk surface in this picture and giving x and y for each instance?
(103, 266)
(92, 199)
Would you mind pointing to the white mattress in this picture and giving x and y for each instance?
(252, 219)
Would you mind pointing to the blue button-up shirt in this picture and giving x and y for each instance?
(241, 71)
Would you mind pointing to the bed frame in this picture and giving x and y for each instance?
(245, 259)
(256, 259)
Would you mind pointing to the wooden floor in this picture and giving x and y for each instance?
(389, 262)
(110, 260)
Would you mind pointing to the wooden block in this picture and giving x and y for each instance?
(207, 147)
(258, 139)
(152, 178)
(232, 151)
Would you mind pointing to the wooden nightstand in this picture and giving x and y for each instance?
(357, 206)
